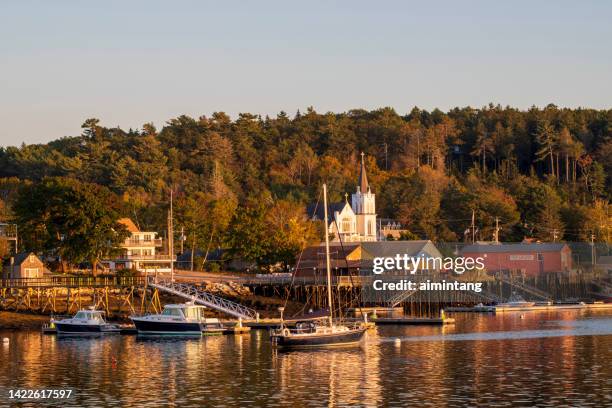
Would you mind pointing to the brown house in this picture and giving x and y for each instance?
(24, 265)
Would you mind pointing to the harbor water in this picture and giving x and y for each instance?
(549, 358)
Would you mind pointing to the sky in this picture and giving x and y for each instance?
(132, 62)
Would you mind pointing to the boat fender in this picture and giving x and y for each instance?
(286, 332)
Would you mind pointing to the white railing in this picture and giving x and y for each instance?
(135, 257)
(130, 242)
(205, 298)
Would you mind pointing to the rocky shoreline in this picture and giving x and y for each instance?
(22, 321)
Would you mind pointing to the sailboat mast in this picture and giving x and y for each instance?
(327, 261)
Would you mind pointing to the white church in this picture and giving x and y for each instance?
(355, 222)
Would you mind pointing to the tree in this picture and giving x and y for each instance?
(546, 139)
(270, 233)
(77, 221)
(247, 235)
(482, 145)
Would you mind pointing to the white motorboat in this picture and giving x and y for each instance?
(86, 321)
(178, 319)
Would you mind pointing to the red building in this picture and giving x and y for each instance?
(528, 258)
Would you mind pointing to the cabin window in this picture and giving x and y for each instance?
(172, 312)
(81, 315)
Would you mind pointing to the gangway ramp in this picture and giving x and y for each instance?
(202, 297)
(525, 288)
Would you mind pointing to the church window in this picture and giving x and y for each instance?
(346, 224)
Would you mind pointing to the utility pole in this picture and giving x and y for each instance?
(182, 238)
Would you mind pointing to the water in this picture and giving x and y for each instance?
(545, 359)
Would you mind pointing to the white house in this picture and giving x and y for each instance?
(355, 222)
(140, 251)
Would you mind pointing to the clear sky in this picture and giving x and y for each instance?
(131, 62)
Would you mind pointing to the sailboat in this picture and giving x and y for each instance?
(326, 335)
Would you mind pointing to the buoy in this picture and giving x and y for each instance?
(5, 340)
(398, 341)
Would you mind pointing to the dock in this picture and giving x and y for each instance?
(413, 321)
(534, 308)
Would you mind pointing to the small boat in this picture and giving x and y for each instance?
(178, 319)
(86, 321)
(310, 334)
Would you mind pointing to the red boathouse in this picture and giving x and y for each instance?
(529, 258)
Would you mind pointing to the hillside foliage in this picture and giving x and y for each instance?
(542, 173)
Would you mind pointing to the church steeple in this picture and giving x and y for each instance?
(363, 178)
(364, 206)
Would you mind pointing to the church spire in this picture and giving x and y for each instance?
(363, 178)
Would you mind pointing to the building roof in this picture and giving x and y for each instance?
(19, 258)
(391, 248)
(520, 247)
(129, 224)
(363, 177)
(316, 212)
(359, 255)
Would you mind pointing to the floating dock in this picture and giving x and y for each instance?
(413, 321)
(381, 309)
(534, 308)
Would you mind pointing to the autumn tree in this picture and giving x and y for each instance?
(78, 221)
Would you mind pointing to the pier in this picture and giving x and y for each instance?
(67, 294)
(122, 296)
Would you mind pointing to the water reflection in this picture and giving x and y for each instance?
(546, 359)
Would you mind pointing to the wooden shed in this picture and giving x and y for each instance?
(24, 265)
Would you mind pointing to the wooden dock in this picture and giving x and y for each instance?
(603, 306)
(534, 308)
(413, 321)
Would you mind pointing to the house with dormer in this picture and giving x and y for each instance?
(142, 251)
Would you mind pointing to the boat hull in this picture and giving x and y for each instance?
(69, 328)
(173, 328)
(348, 338)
